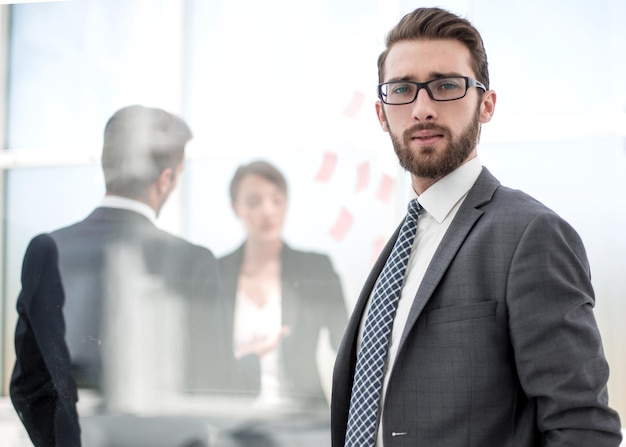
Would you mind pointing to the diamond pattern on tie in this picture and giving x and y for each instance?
(371, 359)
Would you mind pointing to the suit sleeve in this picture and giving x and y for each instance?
(556, 341)
(42, 389)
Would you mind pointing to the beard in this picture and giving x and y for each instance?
(426, 162)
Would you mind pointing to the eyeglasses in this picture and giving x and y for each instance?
(442, 89)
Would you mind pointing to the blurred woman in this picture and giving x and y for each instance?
(279, 298)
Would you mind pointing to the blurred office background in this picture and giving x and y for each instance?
(294, 82)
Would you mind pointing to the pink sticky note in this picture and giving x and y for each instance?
(354, 106)
(325, 172)
(385, 188)
(342, 225)
(362, 176)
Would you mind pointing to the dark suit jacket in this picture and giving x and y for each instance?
(42, 390)
(312, 298)
(501, 347)
(87, 252)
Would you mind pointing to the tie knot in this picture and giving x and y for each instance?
(414, 209)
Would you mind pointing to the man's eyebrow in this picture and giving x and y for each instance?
(439, 75)
(431, 76)
(402, 79)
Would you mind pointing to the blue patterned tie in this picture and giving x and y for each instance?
(368, 377)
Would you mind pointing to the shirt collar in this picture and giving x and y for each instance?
(440, 198)
(129, 204)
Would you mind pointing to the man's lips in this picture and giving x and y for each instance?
(426, 137)
(425, 134)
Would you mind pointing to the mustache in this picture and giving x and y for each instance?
(407, 135)
(427, 126)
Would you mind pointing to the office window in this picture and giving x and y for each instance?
(294, 83)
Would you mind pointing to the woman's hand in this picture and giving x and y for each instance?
(262, 345)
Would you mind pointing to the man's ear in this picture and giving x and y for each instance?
(165, 178)
(382, 117)
(487, 106)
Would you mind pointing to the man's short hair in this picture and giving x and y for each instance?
(139, 143)
(438, 24)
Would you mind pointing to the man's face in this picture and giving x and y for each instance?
(433, 138)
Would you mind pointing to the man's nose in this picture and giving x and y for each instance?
(423, 106)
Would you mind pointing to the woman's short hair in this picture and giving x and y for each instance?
(261, 168)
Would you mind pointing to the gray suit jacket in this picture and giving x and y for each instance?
(501, 347)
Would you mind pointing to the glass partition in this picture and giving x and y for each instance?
(294, 84)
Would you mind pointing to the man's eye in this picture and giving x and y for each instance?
(447, 85)
(401, 89)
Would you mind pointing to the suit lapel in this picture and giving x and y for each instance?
(289, 285)
(466, 217)
(230, 268)
(463, 222)
(348, 344)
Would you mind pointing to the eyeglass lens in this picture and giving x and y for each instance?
(443, 89)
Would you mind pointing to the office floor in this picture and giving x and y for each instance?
(12, 433)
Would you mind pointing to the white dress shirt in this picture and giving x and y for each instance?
(254, 322)
(129, 204)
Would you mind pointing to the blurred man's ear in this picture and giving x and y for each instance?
(164, 180)
(168, 179)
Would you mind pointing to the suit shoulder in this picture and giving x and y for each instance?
(180, 244)
(488, 193)
(516, 202)
(44, 240)
(69, 233)
(233, 256)
(41, 248)
(310, 256)
(515, 208)
(307, 261)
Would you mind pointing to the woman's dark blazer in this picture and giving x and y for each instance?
(312, 299)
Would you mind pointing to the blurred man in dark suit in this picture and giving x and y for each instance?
(141, 308)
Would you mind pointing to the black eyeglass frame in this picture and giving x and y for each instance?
(469, 82)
